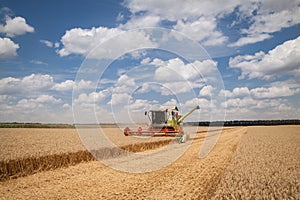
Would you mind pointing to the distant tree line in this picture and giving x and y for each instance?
(52, 125)
(202, 123)
(246, 123)
(34, 125)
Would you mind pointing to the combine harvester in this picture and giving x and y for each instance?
(166, 122)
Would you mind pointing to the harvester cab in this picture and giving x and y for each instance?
(165, 118)
(164, 122)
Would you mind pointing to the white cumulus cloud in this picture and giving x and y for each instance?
(272, 92)
(82, 41)
(250, 39)
(32, 83)
(41, 108)
(8, 48)
(236, 92)
(47, 99)
(120, 99)
(70, 84)
(282, 60)
(199, 19)
(269, 101)
(91, 98)
(203, 30)
(47, 43)
(206, 106)
(206, 91)
(186, 10)
(195, 19)
(141, 105)
(15, 26)
(272, 16)
(141, 22)
(64, 86)
(36, 103)
(175, 69)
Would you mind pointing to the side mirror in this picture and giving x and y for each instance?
(145, 112)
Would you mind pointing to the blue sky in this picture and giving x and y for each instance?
(109, 61)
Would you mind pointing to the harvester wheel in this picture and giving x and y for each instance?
(183, 138)
(140, 131)
(165, 130)
(126, 131)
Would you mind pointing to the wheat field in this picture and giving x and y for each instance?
(266, 165)
(246, 163)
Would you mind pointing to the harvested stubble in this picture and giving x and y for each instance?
(266, 165)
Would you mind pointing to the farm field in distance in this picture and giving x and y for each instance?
(259, 162)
